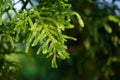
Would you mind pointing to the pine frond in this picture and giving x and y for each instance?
(46, 27)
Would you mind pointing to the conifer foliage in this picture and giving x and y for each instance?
(39, 25)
